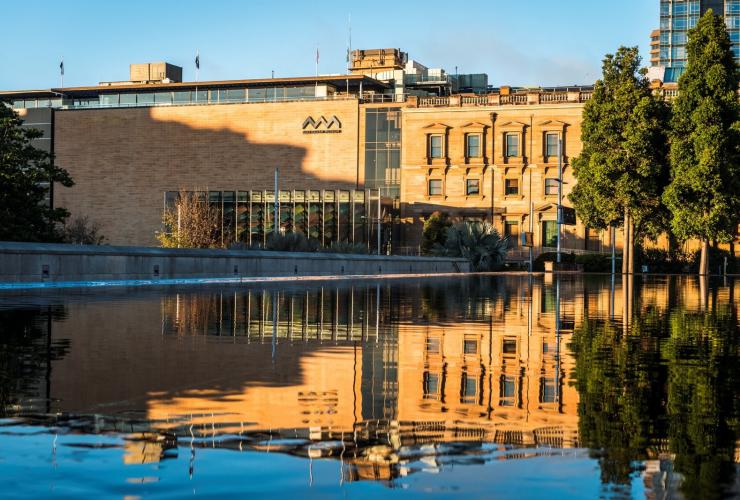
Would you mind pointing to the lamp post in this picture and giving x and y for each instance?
(560, 194)
(276, 215)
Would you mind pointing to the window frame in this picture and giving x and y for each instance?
(431, 148)
(441, 187)
(478, 136)
(518, 136)
(545, 186)
(506, 186)
(467, 186)
(554, 156)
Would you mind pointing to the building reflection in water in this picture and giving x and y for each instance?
(390, 378)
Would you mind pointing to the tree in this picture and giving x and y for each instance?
(704, 191)
(24, 173)
(435, 231)
(191, 223)
(479, 242)
(622, 169)
(81, 231)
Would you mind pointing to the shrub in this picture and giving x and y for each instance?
(479, 242)
(597, 263)
(192, 223)
(291, 242)
(346, 247)
(435, 232)
(80, 231)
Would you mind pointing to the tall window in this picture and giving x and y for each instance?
(511, 187)
(472, 187)
(549, 233)
(431, 386)
(551, 145)
(435, 146)
(472, 146)
(512, 145)
(511, 231)
(435, 187)
(468, 389)
(551, 186)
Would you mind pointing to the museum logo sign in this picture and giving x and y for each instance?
(322, 125)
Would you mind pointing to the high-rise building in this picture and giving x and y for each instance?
(677, 17)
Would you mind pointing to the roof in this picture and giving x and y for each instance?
(340, 81)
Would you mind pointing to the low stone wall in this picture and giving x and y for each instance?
(31, 262)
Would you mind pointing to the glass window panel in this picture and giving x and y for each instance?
(235, 95)
(163, 97)
(257, 95)
(431, 385)
(472, 187)
(200, 96)
(551, 186)
(473, 145)
(512, 187)
(470, 346)
(145, 98)
(435, 146)
(109, 99)
(551, 144)
(435, 187)
(182, 97)
(128, 99)
(512, 145)
(43, 103)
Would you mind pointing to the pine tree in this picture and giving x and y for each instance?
(23, 171)
(622, 169)
(704, 191)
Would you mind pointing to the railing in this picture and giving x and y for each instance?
(433, 102)
(381, 98)
(585, 96)
(479, 100)
(514, 99)
(98, 105)
(555, 97)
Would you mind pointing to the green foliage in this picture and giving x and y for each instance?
(596, 263)
(704, 191)
(435, 231)
(623, 164)
(191, 223)
(81, 231)
(346, 247)
(291, 242)
(663, 261)
(23, 171)
(479, 242)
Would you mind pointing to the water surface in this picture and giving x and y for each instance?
(488, 386)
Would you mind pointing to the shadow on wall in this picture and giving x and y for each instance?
(124, 160)
(413, 225)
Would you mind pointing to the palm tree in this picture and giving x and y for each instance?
(479, 242)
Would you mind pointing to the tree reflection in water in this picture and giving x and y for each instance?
(663, 388)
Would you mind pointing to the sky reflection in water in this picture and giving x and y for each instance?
(483, 386)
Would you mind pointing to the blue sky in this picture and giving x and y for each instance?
(521, 42)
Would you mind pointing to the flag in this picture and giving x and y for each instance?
(347, 54)
(61, 67)
(197, 60)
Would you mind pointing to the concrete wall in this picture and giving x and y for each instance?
(25, 262)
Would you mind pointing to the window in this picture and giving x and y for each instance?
(128, 99)
(435, 187)
(507, 390)
(431, 385)
(435, 146)
(472, 146)
(432, 345)
(470, 346)
(472, 187)
(511, 187)
(548, 390)
(551, 145)
(549, 233)
(511, 231)
(512, 145)
(551, 186)
(468, 389)
(509, 346)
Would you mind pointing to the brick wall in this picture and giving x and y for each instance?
(123, 160)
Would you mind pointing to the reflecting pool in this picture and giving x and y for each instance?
(485, 386)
